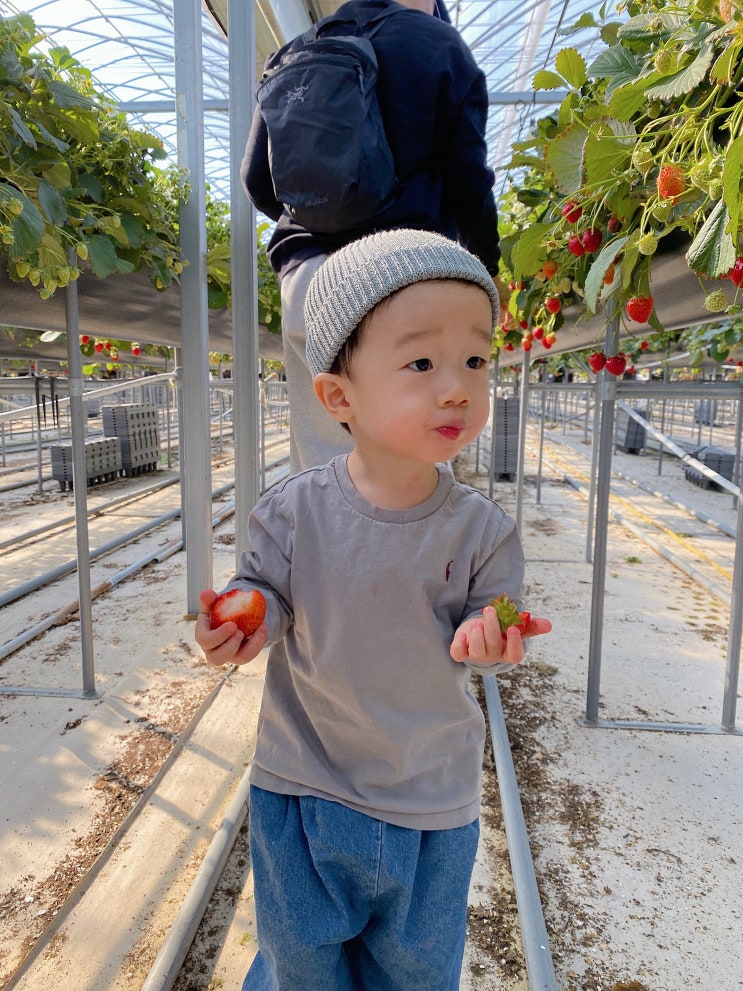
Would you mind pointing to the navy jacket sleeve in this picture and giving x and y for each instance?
(255, 171)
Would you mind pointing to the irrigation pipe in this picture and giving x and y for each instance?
(170, 959)
(674, 559)
(92, 513)
(83, 885)
(729, 531)
(62, 615)
(534, 936)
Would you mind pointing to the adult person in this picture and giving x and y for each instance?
(433, 99)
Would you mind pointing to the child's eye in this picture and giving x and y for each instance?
(476, 361)
(421, 365)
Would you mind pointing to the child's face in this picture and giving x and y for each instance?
(419, 380)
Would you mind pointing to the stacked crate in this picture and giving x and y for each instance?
(136, 428)
(102, 462)
(716, 458)
(630, 435)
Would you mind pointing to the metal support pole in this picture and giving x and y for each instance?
(244, 251)
(603, 487)
(735, 631)
(80, 486)
(194, 433)
(521, 460)
(542, 415)
(493, 430)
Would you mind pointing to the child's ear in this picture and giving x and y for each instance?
(330, 390)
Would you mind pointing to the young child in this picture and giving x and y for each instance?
(378, 570)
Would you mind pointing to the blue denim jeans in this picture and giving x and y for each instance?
(345, 902)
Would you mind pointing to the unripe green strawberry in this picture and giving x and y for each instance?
(714, 190)
(648, 244)
(642, 159)
(716, 301)
(663, 61)
(661, 210)
(654, 109)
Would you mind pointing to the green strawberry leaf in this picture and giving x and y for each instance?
(52, 203)
(530, 251)
(28, 226)
(618, 66)
(572, 67)
(564, 158)
(20, 127)
(605, 157)
(731, 176)
(67, 97)
(724, 68)
(544, 79)
(595, 279)
(713, 250)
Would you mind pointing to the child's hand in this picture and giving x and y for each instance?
(480, 639)
(226, 644)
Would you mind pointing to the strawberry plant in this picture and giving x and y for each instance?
(647, 149)
(80, 187)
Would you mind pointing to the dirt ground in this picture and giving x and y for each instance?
(636, 835)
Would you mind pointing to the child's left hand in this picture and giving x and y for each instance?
(480, 639)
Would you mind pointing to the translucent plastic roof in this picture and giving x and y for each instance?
(128, 46)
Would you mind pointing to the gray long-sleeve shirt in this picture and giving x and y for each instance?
(362, 703)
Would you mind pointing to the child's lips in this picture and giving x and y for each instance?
(451, 431)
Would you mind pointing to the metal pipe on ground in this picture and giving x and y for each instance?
(537, 954)
(170, 959)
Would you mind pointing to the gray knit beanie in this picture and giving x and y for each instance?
(358, 276)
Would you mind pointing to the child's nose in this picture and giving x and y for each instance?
(454, 391)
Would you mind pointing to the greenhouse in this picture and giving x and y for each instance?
(145, 410)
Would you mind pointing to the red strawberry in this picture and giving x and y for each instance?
(84, 339)
(576, 246)
(639, 308)
(572, 212)
(616, 364)
(539, 332)
(614, 225)
(245, 609)
(644, 345)
(509, 615)
(592, 239)
(671, 182)
(526, 343)
(98, 346)
(597, 361)
(736, 273)
(553, 304)
(549, 269)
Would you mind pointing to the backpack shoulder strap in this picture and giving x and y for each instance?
(366, 31)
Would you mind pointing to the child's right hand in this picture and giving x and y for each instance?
(225, 644)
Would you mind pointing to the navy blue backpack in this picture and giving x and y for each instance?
(331, 164)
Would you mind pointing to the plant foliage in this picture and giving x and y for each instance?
(646, 152)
